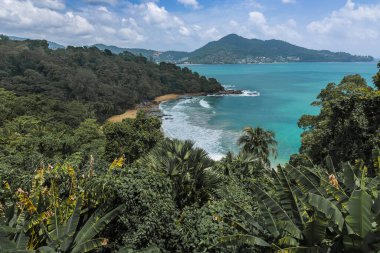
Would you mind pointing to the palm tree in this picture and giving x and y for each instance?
(189, 168)
(258, 142)
(243, 165)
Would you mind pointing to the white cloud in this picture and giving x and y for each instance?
(257, 18)
(288, 1)
(154, 13)
(18, 14)
(252, 4)
(184, 31)
(190, 3)
(108, 30)
(51, 4)
(352, 21)
(283, 31)
(210, 34)
(353, 28)
(130, 35)
(234, 23)
(112, 2)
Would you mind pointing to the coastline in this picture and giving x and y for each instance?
(150, 106)
(153, 106)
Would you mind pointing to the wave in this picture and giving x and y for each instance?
(245, 93)
(229, 87)
(179, 125)
(205, 104)
(248, 93)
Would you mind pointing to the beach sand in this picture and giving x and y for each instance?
(131, 114)
(166, 97)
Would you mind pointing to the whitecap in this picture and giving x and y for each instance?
(229, 87)
(245, 93)
(248, 93)
(181, 127)
(205, 104)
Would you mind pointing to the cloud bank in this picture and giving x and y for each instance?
(189, 24)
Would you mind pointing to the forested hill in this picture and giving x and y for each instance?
(105, 82)
(153, 55)
(236, 49)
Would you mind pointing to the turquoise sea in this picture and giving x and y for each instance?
(286, 91)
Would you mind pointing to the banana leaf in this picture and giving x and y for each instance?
(326, 207)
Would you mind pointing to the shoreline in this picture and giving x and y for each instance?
(148, 107)
(152, 106)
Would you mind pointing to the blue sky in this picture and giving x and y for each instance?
(338, 25)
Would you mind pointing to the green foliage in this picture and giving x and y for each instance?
(149, 215)
(161, 195)
(347, 126)
(70, 237)
(376, 78)
(259, 143)
(244, 166)
(53, 216)
(307, 209)
(189, 168)
(132, 138)
(233, 49)
(107, 83)
(28, 141)
(201, 227)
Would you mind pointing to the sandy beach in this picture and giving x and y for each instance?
(166, 97)
(131, 114)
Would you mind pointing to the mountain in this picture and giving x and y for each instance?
(157, 56)
(235, 49)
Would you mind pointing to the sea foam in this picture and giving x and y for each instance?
(205, 104)
(182, 125)
(244, 93)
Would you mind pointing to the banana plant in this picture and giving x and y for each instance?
(68, 237)
(72, 236)
(308, 209)
(355, 219)
(291, 224)
(43, 220)
(282, 219)
(12, 233)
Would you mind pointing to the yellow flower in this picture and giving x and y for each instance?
(333, 181)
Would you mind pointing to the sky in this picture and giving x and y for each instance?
(339, 25)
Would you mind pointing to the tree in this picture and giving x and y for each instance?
(189, 168)
(348, 124)
(150, 213)
(107, 83)
(132, 138)
(259, 143)
(4, 37)
(376, 78)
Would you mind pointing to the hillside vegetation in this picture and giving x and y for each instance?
(108, 84)
(71, 185)
(234, 49)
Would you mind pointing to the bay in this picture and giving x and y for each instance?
(286, 92)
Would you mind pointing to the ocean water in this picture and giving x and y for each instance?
(284, 94)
